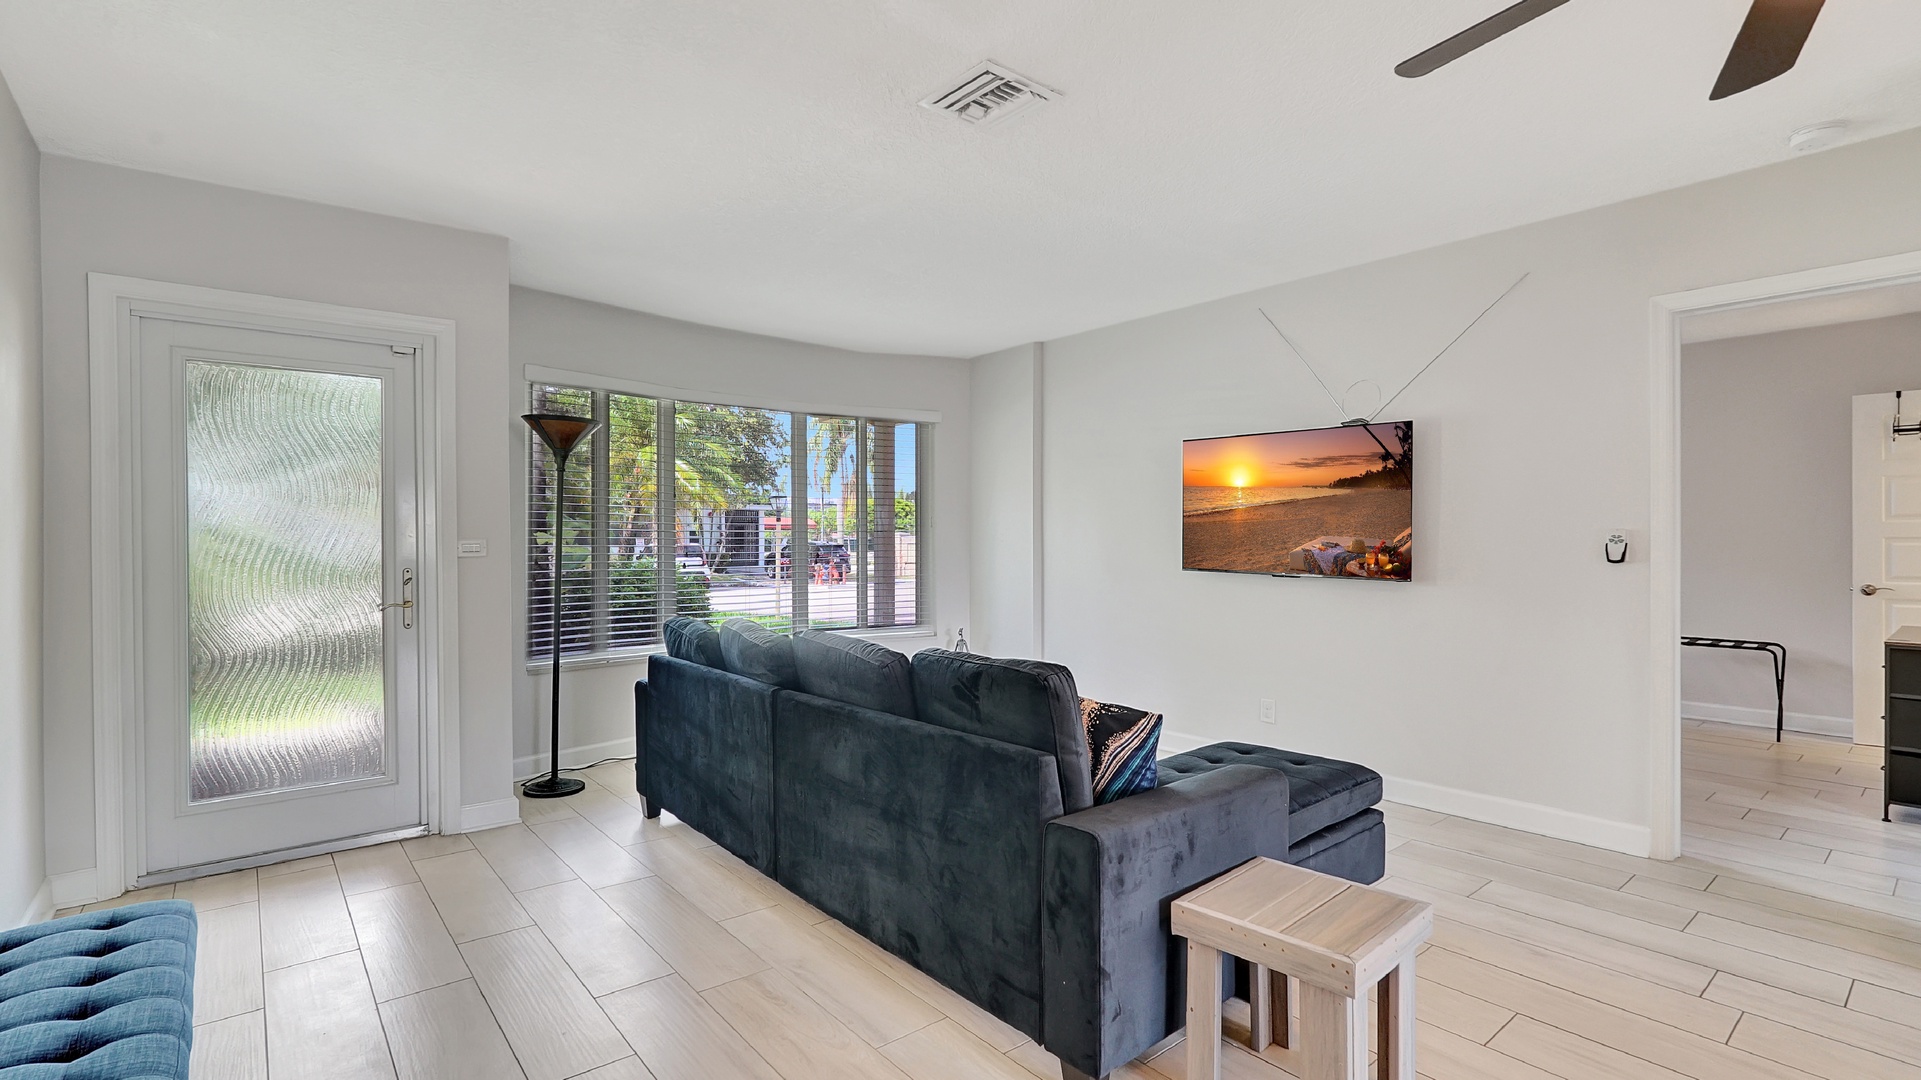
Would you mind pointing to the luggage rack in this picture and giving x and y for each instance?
(1775, 650)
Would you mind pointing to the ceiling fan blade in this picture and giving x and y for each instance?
(1768, 45)
(1501, 22)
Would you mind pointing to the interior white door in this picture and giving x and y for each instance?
(1887, 547)
(280, 703)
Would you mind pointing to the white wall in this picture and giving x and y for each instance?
(597, 702)
(1510, 680)
(1008, 618)
(111, 220)
(1767, 515)
(24, 891)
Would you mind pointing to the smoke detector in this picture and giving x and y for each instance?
(988, 94)
(1819, 137)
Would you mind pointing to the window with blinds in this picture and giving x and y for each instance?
(718, 512)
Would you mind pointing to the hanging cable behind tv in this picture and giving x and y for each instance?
(1354, 421)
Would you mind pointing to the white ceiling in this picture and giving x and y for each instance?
(762, 164)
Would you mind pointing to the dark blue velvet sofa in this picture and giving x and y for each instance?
(942, 808)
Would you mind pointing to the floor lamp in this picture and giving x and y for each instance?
(561, 434)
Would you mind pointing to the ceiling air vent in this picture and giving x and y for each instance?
(989, 94)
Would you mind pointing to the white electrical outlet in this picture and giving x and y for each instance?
(471, 549)
(1267, 710)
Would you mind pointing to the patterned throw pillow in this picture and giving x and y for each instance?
(1122, 747)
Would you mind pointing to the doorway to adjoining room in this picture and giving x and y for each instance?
(1800, 530)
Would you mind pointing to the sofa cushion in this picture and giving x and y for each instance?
(751, 650)
(856, 672)
(100, 994)
(1025, 702)
(694, 641)
(1122, 744)
(1321, 791)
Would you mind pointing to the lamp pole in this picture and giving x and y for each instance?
(561, 433)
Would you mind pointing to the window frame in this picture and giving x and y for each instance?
(665, 400)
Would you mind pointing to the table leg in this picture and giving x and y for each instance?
(1267, 1006)
(1203, 1012)
(1396, 1046)
(1334, 1027)
(1260, 1016)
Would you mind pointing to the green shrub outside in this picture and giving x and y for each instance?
(632, 585)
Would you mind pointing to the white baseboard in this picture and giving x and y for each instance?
(489, 815)
(1492, 809)
(1173, 742)
(573, 757)
(1807, 723)
(1549, 821)
(39, 909)
(75, 888)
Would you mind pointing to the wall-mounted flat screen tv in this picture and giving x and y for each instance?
(1330, 502)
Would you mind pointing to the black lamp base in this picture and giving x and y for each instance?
(552, 787)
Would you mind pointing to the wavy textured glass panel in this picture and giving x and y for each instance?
(286, 686)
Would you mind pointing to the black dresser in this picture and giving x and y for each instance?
(1903, 782)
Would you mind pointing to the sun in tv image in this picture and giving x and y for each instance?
(1331, 502)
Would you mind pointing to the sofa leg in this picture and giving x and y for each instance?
(649, 807)
(1069, 1072)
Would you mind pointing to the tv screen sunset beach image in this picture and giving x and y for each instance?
(1331, 502)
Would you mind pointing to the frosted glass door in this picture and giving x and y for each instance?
(287, 687)
(277, 517)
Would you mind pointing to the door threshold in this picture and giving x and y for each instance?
(268, 858)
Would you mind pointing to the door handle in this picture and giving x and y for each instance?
(406, 601)
(1870, 590)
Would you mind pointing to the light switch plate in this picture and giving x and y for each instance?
(1267, 710)
(473, 549)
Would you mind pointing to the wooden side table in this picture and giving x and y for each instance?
(1338, 939)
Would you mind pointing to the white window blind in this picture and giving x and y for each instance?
(791, 520)
(572, 525)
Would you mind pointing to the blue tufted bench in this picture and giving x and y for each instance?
(1332, 825)
(104, 995)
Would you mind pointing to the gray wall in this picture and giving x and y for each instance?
(597, 703)
(1511, 680)
(23, 868)
(1767, 513)
(1008, 620)
(117, 221)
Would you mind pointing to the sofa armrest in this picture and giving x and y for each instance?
(643, 705)
(1113, 977)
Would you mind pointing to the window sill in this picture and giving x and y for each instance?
(616, 659)
(640, 655)
(891, 633)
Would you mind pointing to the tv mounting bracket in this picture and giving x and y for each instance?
(1362, 421)
(1900, 428)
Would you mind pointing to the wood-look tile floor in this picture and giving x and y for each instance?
(589, 942)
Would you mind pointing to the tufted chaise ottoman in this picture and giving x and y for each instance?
(103, 995)
(1332, 825)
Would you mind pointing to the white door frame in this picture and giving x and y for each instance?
(113, 303)
(1664, 511)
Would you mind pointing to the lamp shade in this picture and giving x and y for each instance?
(559, 431)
